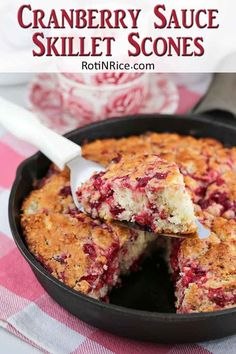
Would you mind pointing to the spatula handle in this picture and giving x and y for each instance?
(25, 125)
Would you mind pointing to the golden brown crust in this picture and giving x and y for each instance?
(52, 196)
(73, 248)
(138, 165)
(205, 299)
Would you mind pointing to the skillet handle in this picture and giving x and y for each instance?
(220, 100)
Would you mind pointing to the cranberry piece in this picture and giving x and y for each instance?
(62, 277)
(142, 181)
(153, 207)
(162, 214)
(108, 276)
(95, 205)
(216, 197)
(75, 213)
(107, 193)
(204, 204)
(201, 191)
(174, 259)
(125, 181)
(97, 183)
(199, 272)
(90, 278)
(60, 258)
(193, 276)
(116, 159)
(89, 249)
(219, 181)
(79, 193)
(65, 191)
(218, 296)
(219, 197)
(112, 262)
(116, 210)
(161, 175)
(94, 223)
(114, 249)
(79, 218)
(144, 219)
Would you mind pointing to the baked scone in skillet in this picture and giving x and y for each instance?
(142, 189)
(203, 271)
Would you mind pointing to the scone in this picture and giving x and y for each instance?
(203, 271)
(87, 255)
(140, 188)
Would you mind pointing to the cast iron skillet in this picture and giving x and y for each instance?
(144, 307)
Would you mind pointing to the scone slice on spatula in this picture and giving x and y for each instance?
(141, 189)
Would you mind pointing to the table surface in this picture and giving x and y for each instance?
(8, 342)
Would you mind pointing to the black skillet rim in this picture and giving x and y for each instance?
(172, 317)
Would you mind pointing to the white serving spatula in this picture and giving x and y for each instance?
(61, 151)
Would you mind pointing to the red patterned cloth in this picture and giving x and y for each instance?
(64, 103)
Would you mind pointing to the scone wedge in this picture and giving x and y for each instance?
(142, 189)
